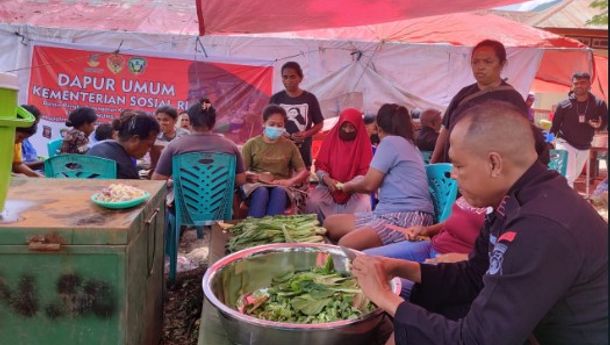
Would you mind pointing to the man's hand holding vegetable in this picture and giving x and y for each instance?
(374, 273)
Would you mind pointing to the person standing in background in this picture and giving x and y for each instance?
(487, 62)
(575, 122)
(302, 108)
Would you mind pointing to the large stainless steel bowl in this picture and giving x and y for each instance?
(253, 268)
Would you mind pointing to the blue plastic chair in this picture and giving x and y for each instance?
(558, 161)
(203, 189)
(442, 188)
(54, 147)
(80, 166)
(426, 155)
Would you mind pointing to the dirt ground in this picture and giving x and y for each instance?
(183, 300)
(182, 309)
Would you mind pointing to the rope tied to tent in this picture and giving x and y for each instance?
(24, 39)
(118, 50)
(198, 44)
(357, 53)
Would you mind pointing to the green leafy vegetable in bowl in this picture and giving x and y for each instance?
(318, 295)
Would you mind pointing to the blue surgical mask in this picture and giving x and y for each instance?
(273, 133)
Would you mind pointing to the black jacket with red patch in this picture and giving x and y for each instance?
(540, 265)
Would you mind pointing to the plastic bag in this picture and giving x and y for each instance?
(183, 264)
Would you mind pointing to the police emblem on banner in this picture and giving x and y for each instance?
(496, 258)
(94, 60)
(136, 65)
(115, 63)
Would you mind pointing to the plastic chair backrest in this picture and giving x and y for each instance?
(558, 161)
(80, 166)
(442, 188)
(203, 187)
(426, 155)
(54, 147)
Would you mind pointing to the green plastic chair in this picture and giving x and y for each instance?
(558, 161)
(203, 190)
(442, 188)
(54, 147)
(426, 155)
(80, 166)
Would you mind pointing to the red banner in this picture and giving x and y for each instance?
(63, 79)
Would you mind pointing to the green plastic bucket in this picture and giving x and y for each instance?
(9, 86)
(11, 116)
(21, 118)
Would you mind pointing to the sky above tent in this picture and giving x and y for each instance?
(533, 5)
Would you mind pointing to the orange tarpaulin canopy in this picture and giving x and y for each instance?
(599, 83)
(600, 80)
(458, 29)
(190, 17)
(238, 16)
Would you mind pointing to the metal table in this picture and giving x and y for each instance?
(599, 144)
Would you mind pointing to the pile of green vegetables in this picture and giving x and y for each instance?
(278, 229)
(315, 296)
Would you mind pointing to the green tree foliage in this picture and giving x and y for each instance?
(602, 17)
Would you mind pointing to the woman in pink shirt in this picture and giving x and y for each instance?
(451, 240)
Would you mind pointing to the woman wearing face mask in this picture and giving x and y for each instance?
(136, 132)
(398, 172)
(345, 154)
(275, 167)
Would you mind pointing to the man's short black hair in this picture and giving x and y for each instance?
(370, 118)
(581, 75)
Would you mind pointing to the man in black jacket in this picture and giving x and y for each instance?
(539, 268)
(575, 122)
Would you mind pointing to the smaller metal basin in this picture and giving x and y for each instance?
(253, 268)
